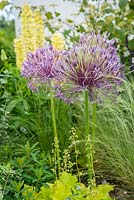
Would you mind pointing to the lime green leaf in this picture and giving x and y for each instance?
(49, 15)
(68, 179)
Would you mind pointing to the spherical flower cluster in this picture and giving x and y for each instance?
(39, 67)
(32, 34)
(57, 41)
(92, 65)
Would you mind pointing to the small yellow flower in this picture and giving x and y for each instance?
(57, 41)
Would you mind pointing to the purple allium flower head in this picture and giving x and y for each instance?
(39, 67)
(93, 65)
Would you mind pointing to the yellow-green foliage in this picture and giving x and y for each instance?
(67, 187)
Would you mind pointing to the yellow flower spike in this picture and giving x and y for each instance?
(27, 21)
(18, 45)
(32, 34)
(58, 41)
(26, 10)
(39, 31)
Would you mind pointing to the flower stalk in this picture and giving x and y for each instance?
(93, 126)
(56, 141)
(89, 144)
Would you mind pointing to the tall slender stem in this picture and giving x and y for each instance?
(89, 143)
(93, 137)
(86, 113)
(55, 131)
(93, 126)
(88, 149)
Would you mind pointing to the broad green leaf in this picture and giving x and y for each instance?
(120, 34)
(123, 3)
(131, 44)
(12, 104)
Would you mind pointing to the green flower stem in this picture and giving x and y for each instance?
(86, 113)
(55, 132)
(89, 143)
(93, 126)
(93, 139)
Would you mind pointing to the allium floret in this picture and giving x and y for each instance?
(93, 65)
(39, 67)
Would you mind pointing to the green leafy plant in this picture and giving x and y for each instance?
(31, 167)
(16, 188)
(67, 187)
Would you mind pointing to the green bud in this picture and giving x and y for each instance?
(3, 55)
